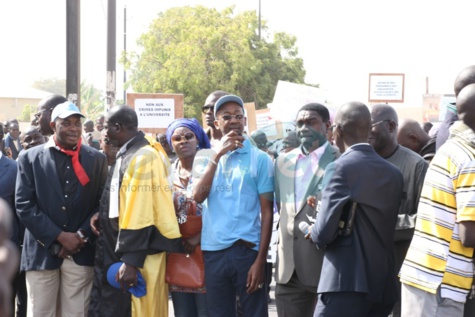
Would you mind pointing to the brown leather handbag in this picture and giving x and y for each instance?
(186, 270)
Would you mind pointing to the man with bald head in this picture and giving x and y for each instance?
(137, 223)
(464, 78)
(43, 116)
(383, 138)
(358, 267)
(437, 274)
(411, 135)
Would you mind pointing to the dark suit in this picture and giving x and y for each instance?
(8, 174)
(358, 269)
(298, 261)
(8, 171)
(42, 207)
(9, 143)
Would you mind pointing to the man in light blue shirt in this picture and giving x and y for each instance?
(235, 182)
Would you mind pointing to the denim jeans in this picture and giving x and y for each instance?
(226, 276)
(189, 304)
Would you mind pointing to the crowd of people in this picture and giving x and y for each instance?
(376, 215)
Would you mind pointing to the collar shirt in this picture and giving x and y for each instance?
(305, 168)
(232, 209)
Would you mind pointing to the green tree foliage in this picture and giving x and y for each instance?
(27, 113)
(196, 50)
(53, 85)
(92, 100)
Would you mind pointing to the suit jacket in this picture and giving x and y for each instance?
(41, 205)
(9, 143)
(294, 252)
(363, 261)
(8, 171)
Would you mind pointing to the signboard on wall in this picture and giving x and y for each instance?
(386, 87)
(156, 111)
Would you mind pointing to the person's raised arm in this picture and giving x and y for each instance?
(204, 180)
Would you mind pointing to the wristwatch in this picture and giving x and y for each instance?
(82, 235)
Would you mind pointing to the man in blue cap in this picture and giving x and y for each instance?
(57, 192)
(235, 182)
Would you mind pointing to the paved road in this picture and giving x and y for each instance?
(272, 308)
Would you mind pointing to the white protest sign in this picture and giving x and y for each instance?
(155, 113)
(290, 97)
(386, 88)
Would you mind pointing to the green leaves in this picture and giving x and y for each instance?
(196, 50)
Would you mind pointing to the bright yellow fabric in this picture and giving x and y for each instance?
(156, 305)
(146, 200)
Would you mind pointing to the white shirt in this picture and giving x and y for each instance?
(305, 169)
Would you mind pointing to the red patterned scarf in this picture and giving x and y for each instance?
(78, 169)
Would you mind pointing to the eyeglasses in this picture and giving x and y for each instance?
(188, 136)
(379, 122)
(205, 109)
(228, 117)
(38, 114)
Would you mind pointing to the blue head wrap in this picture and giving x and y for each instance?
(194, 126)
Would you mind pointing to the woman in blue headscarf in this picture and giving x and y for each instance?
(186, 137)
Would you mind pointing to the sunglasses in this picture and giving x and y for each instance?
(205, 109)
(187, 136)
(228, 117)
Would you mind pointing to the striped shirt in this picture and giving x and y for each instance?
(436, 256)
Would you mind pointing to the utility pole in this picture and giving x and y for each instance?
(259, 19)
(125, 52)
(73, 51)
(111, 51)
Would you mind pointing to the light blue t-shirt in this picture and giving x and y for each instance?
(232, 209)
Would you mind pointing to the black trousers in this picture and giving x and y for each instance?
(349, 304)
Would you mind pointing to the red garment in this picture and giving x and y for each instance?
(78, 169)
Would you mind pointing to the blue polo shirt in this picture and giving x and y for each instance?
(232, 209)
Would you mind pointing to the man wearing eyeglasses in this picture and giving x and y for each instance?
(298, 175)
(214, 134)
(383, 138)
(235, 183)
(43, 116)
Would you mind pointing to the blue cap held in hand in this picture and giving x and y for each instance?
(138, 290)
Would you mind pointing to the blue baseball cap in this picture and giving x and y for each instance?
(64, 110)
(226, 99)
(138, 290)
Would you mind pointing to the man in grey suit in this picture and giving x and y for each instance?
(299, 175)
(358, 276)
(57, 191)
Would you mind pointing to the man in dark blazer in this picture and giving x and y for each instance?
(57, 192)
(12, 140)
(8, 173)
(358, 276)
(298, 175)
